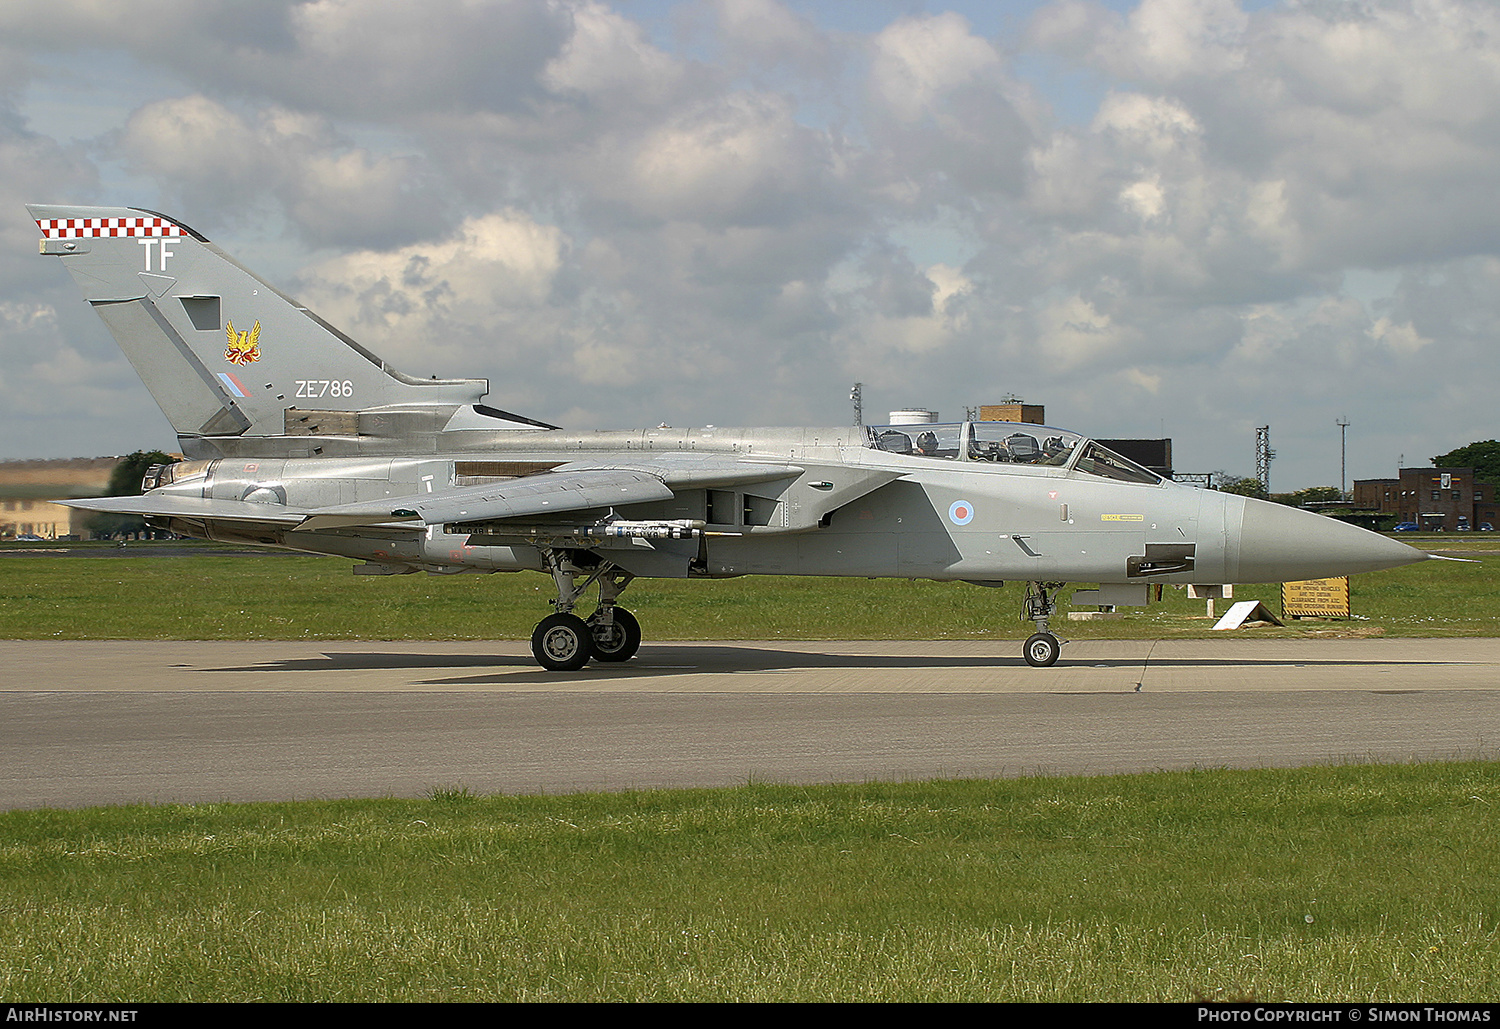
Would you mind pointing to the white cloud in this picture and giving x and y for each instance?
(423, 300)
(948, 283)
(212, 158)
(1157, 41)
(608, 59)
(718, 214)
(1167, 39)
(197, 140)
(919, 61)
(1143, 380)
(1402, 338)
(1145, 198)
(944, 105)
(767, 33)
(48, 384)
(741, 160)
(1148, 128)
(361, 58)
(1072, 333)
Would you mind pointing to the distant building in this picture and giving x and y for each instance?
(28, 489)
(1033, 414)
(1438, 499)
(1155, 454)
(913, 416)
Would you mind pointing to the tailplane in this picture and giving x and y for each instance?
(225, 353)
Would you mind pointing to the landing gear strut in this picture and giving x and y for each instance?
(617, 635)
(563, 642)
(1042, 647)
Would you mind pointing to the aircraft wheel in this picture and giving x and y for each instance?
(618, 641)
(1042, 650)
(562, 643)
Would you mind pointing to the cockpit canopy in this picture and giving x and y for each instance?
(1008, 443)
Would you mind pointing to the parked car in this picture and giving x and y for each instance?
(1486, 527)
(1406, 527)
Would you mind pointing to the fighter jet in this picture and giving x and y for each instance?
(297, 437)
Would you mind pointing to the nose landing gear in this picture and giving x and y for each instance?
(1042, 650)
(1042, 647)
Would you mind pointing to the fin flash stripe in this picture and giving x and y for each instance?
(93, 228)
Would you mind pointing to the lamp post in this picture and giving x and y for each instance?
(1343, 424)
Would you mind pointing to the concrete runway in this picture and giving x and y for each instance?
(119, 722)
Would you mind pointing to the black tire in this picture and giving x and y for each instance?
(562, 643)
(618, 641)
(1042, 650)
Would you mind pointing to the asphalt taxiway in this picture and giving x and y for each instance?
(120, 722)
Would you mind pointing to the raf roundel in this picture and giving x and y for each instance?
(961, 512)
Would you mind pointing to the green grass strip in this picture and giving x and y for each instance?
(280, 596)
(1329, 884)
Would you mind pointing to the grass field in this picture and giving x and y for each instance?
(283, 596)
(1328, 884)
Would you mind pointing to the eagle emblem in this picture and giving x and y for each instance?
(244, 347)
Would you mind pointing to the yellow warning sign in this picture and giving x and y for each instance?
(1327, 598)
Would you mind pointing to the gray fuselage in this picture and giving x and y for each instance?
(832, 505)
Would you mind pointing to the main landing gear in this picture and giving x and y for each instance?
(1042, 648)
(564, 642)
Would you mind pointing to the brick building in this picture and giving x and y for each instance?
(1439, 499)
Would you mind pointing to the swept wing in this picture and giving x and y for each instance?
(534, 496)
(561, 491)
(170, 506)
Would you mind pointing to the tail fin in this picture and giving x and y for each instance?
(223, 352)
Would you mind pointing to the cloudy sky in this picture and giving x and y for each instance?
(1156, 217)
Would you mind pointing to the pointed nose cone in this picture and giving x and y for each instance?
(1282, 544)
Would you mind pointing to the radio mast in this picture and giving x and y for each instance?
(1263, 456)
